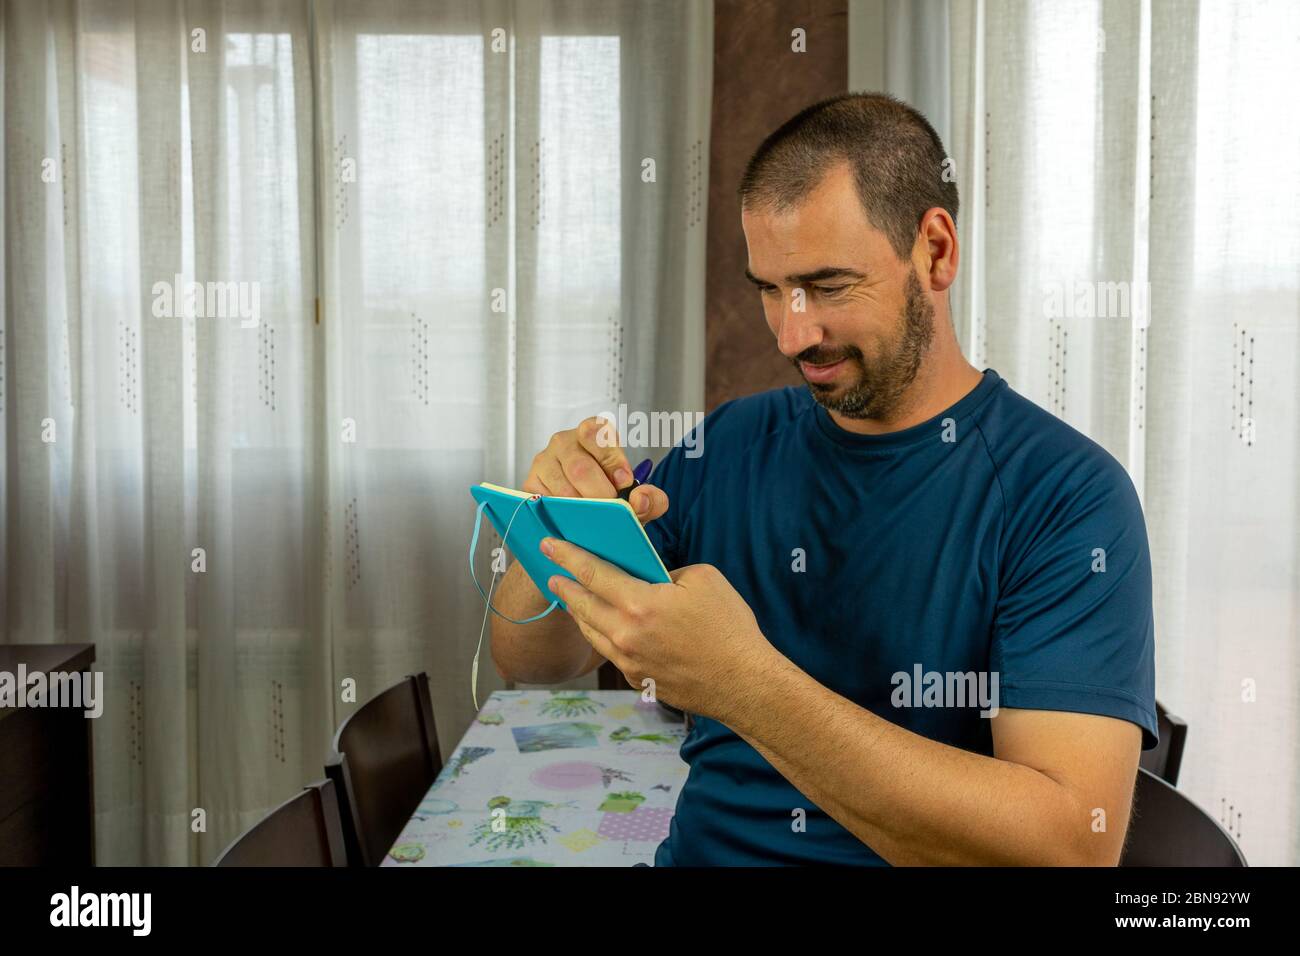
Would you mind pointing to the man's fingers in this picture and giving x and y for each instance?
(549, 471)
(584, 462)
(585, 474)
(601, 644)
(601, 440)
(595, 574)
(535, 486)
(648, 502)
(585, 607)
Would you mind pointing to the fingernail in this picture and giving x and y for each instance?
(642, 505)
(622, 477)
(548, 547)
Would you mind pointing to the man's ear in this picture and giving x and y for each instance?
(938, 248)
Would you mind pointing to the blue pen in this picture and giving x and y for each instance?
(639, 474)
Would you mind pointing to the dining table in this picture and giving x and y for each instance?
(552, 778)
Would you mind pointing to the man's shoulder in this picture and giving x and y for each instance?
(1035, 453)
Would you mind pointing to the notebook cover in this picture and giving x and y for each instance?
(607, 527)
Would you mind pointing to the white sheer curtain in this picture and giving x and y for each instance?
(135, 434)
(1106, 150)
(494, 268)
(148, 139)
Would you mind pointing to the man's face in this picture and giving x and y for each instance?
(850, 315)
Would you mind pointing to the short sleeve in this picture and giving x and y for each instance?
(1074, 629)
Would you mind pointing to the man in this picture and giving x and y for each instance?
(904, 516)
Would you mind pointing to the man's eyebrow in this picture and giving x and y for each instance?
(807, 278)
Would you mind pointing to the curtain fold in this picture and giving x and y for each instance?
(1118, 165)
(1222, 406)
(502, 267)
(904, 47)
(281, 281)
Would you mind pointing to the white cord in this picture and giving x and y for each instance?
(487, 607)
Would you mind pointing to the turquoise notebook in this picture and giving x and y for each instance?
(607, 527)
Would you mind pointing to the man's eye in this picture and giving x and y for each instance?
(767, 289)
(829, 290)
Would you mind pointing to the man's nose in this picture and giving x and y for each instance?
(799, 330)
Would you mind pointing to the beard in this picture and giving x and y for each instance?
(881, 384)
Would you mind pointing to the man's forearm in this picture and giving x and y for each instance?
(913, 800)
(549, 651)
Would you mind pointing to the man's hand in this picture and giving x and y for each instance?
(588, 462)
(696, 638)
(582, 462)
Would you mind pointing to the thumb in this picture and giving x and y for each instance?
(648, 502)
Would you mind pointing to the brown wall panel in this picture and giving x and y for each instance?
(758, 83)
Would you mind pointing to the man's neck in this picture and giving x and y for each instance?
(937, 386)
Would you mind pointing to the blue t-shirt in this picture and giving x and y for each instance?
(993, 538)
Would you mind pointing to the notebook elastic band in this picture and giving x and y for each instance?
(487, 598)
(473, 546)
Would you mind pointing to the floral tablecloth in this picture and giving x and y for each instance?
(552, 778)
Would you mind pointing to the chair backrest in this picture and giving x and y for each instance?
(385, 759)
(1168, 829)
(305, 830)
(1166, 758)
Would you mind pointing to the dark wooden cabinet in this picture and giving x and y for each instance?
(47, 806)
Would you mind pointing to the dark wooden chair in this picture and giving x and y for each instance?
(1168, 829)
(1166, 758)
(305, 830)
(609, 677)
(385, 758)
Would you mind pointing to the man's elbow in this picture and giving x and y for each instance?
(504, 674)
(496, 641)
(531, 670)
(1096, 853)
(1091, 845)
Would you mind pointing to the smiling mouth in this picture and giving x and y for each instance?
(821, 374)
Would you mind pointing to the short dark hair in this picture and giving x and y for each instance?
(897, 158)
